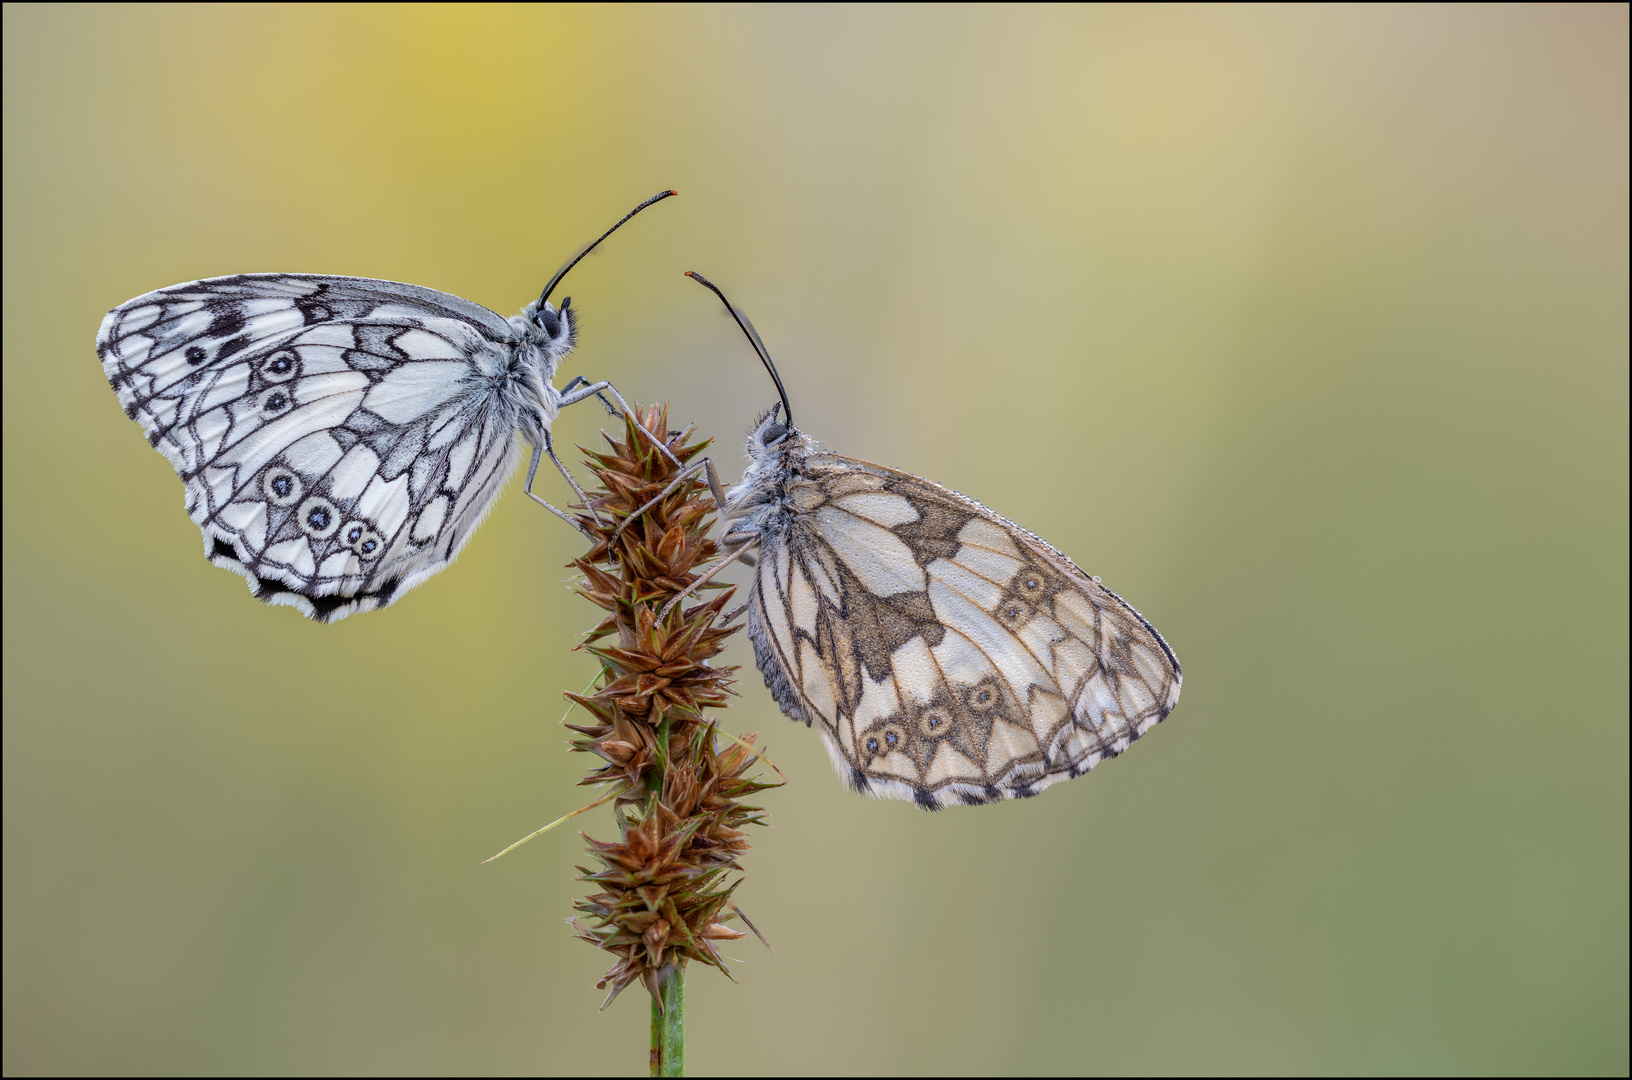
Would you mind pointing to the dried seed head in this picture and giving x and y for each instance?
(665, 887)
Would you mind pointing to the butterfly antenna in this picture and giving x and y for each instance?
(570, 263)
(753, 339)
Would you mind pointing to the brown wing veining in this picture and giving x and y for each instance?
(946, 654)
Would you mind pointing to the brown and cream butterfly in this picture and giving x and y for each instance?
(945, 654)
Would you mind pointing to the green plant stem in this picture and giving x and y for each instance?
(668, 1051)
(668, 1055)
(654, 779)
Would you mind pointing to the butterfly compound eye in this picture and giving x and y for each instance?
(551, 322)
(773, 433)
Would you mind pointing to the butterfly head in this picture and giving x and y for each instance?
(773, 444)
(772, 449)
(771, 436)
(553, 332)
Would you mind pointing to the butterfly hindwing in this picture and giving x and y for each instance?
(946, 654)
(339, 438)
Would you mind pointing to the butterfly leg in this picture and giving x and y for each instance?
(689, 472)
(706, 578)
(685, 474)
(579, 380)
(532, 471)
(594, 390)
(583, 500)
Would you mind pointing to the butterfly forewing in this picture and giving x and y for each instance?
(339, 438)
(946, 654)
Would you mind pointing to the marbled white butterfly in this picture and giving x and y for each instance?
(340, 438)
(945, 654)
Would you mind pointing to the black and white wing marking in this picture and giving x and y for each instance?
(339, 438)
(945, 654)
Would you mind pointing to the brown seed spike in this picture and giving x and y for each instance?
(664, 896)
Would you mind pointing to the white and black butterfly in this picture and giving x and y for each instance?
(340, 438)
(946, 655)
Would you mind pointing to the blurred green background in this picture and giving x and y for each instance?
(1306, 328)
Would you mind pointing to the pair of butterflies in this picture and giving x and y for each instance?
(340, 438)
